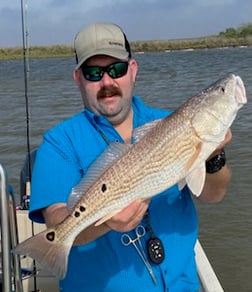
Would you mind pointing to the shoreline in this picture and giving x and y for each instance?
(210, 42)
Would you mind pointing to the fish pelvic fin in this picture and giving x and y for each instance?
(107, 217)
(50, 253)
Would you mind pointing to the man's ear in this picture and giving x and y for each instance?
(76, 76)
(134, 69)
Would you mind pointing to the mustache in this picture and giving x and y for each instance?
(109, 91)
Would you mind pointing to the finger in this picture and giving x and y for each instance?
(129, 217)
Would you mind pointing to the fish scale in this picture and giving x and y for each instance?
(170, 151)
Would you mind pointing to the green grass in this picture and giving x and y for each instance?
(37, 52)
(209, 42)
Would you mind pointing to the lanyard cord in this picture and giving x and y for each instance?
(105, 138)
(148, 223)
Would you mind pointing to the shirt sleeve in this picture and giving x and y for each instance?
(56, 171)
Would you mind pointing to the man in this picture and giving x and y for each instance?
(100, 261)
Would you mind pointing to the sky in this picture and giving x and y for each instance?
(57, 21)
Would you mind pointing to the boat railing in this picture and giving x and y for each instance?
(11, 272)
(207, 276)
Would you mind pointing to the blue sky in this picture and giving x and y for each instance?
(57, 21)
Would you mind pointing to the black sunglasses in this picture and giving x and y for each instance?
(95, 73)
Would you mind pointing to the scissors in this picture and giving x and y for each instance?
(127, 240)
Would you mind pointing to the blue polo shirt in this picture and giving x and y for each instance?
(106, 264)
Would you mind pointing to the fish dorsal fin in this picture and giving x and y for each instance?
(139, 132)
(196, 180)
(111, 153)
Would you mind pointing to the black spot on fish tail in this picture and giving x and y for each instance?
(50, 236)
(104, 188)
(52, 254)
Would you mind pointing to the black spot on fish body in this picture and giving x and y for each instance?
(76, 214)
(82, 209)
(104, 188)
(50, 236)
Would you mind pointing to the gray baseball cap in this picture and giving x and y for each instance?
(101, 39)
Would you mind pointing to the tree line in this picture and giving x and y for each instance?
(242, 31)
(231, 37)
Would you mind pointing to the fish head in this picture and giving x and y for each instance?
(217, 108)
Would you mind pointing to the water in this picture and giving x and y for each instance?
(164, 80)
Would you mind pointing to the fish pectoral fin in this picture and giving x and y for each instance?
(192, 159)
(107, 217)
(196, 180)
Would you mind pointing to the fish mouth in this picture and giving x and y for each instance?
(240, 92)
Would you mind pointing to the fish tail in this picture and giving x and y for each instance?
(52, 254)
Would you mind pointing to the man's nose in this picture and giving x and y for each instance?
(106, 79)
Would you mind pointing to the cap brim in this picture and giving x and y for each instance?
(121, 55)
